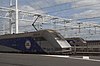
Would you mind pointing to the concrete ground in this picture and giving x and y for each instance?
(9, 59)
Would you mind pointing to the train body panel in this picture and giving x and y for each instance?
(25, 44)
(7, 49)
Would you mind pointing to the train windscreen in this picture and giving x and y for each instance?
(83, 40)
(58, 36)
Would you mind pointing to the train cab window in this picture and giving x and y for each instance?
(83, 40)
(58, 36)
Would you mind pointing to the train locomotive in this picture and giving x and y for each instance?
(42, 41)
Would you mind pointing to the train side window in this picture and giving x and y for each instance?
(40, 39)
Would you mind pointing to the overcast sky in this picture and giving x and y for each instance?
(63, 8)
(79, 10)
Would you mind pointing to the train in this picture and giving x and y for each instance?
(84, 47)
(43, 41)
(77, 44)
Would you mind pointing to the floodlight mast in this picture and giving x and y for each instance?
(16, 23)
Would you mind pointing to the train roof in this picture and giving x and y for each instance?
(26, 34)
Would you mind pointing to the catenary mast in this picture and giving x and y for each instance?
(10, 20)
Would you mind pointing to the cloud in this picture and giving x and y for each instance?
(90, 9)
(87, 14)
(63, 1)
(86, 2)
(30, 9)
(42, 4)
